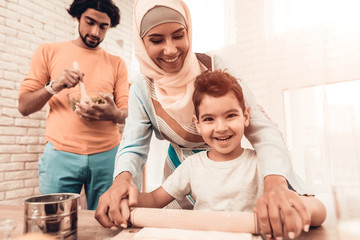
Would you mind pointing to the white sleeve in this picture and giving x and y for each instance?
(135, 142)
(178, 183)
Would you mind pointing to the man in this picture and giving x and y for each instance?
(80, 147)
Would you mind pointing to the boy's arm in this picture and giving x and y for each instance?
(316, 210)
(158, 198)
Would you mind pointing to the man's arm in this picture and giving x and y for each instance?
(30, 102)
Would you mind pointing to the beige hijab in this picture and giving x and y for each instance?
(173, 90)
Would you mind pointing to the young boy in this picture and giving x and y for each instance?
(209, 176)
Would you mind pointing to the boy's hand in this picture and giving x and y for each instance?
(125, 211)
(279, 210)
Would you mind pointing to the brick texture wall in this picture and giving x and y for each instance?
(24, 24)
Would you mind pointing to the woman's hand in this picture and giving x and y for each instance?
(112, 210)
(280, 211)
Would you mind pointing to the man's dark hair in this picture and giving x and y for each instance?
(78, 7)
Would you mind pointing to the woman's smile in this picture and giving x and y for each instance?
(170, 64)
(167, 45)
(170, 60)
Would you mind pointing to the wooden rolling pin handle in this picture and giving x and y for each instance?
(243, 222)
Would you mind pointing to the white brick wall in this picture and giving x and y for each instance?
(24, 24)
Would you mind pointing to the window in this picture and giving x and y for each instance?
(323, 133)
(296, 14)
(208, 24)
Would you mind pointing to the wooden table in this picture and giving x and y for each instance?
(90, 229)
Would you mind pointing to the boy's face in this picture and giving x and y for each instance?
(221, 123)
(93, 26)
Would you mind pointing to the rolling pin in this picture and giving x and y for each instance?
(241, 222)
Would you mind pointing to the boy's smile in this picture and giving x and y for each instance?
(221, 123)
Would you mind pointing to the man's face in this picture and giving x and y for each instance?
(93, 26)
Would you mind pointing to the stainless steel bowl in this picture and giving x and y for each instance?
(55, 214)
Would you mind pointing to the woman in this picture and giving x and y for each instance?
(161, 102)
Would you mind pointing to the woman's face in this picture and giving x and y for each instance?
(167, 45)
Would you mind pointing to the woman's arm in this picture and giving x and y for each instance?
(135, 142)
(129, 162)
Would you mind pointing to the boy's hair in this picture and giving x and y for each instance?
(216, 84)
(78, 7)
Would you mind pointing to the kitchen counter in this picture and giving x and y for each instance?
(89, 228)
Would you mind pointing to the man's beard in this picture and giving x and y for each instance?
(87, 43)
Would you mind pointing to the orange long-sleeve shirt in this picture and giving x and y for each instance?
(103, 72)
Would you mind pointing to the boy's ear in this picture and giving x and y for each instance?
(196, 124)
(246, 117)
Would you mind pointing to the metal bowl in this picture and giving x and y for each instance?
(55, 214)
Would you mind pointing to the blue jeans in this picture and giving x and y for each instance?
(65, 172)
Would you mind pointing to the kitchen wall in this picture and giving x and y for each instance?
(277, 46)
(24, 24)
(296, 46)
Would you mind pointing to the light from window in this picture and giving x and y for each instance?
(295, 14)
(323, 133)
(208, 24)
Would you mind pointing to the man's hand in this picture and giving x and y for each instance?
(30, 102)
(112, 210)
(101, 112)
(68, 78)
(280, 211)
